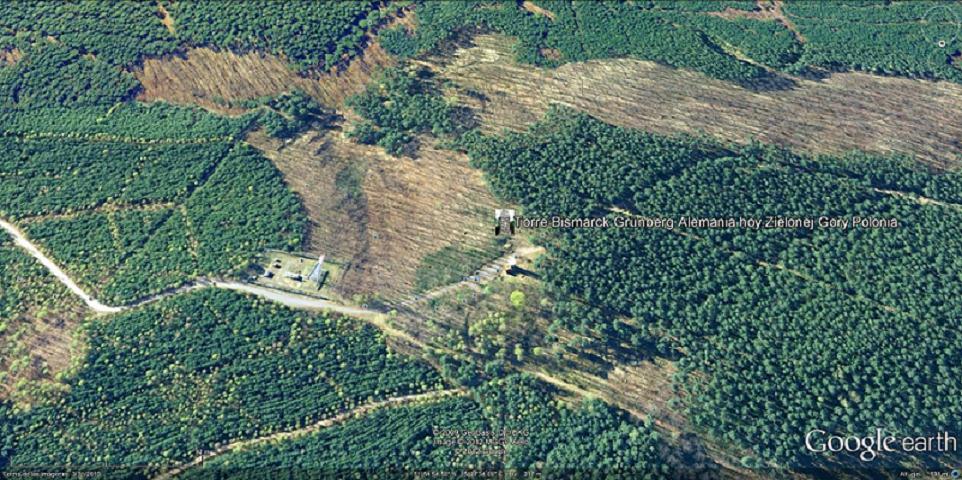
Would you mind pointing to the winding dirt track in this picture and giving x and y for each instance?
(289, 299)
(327, 422)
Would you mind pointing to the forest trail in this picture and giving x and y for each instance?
(921, 200)
(325, 423)
(165, 18)
(105, 208)
(486, 272)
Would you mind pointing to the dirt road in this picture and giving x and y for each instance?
(289, 299)
(377, 319)
(21, 240)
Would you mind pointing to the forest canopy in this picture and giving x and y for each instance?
(833, 340)
(768, 332)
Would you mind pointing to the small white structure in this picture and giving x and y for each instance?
(317, 274)
(504, 219)
(507, 212)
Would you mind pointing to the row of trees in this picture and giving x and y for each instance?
(166, 258)
(55, 176)
(132, 122)
(306, 32)
(163, 383)
(244, 207)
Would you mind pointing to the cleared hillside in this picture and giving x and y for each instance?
(212, 79)
(379, 213)
(843, 112)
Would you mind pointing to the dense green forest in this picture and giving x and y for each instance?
(52, 74)
(118, 33)
(306, 33)
(574, 165)
(162, 194)
(134, 122)
(546, 437)
(765, 42)
(109, 238)
(183, 165)
(745, 187)
(124, 32)
(582, 31)
(891, 38)
(835, 339)
(207, 209)
(162, 383)
(591, 440)
(40, 182)
(385, 444)
(880, 37)
(775, 331)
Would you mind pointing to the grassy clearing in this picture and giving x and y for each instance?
(452, 263)
(38, 319)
